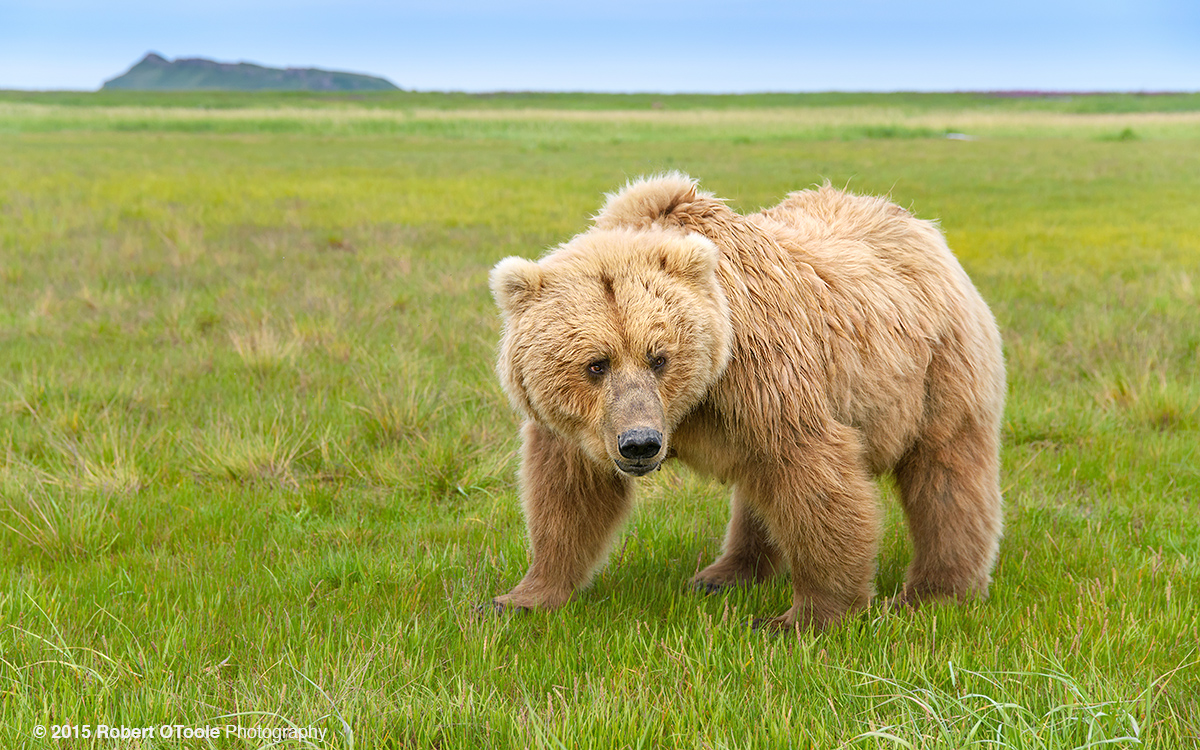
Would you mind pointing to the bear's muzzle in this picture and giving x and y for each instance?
(639, 448)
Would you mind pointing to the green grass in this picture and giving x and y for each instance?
(255, 467)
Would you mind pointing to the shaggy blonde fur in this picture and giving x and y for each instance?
(794, 353)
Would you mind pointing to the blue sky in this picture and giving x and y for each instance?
(626, 45)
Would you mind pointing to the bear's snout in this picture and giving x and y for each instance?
(640, 443)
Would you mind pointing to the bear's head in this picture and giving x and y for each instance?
(613, 338)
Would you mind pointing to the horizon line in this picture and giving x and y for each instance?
(1013, 92)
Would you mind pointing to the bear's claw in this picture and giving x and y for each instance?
(770, 625)
(708, 588)
(494, 608)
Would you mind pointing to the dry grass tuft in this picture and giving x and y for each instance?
(258, 453)
(59, 522)
(263, 348)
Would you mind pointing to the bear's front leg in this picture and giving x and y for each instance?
(573, 508)
(821, 512)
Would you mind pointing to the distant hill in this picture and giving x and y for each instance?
(156, 73)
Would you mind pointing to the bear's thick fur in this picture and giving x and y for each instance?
(794, 353)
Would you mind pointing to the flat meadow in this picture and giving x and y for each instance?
(257, 472)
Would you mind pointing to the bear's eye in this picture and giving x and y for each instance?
(658, 362)
(598, 368)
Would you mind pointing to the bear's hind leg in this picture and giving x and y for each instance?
(747, 555)
(951, 495)
(573, 508)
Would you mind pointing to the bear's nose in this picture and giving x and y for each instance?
(640, 442)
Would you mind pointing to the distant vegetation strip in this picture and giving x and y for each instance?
(885, 120)
(404, 100)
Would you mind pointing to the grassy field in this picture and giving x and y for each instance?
(256, 469)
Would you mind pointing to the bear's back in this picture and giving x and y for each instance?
(875, 247)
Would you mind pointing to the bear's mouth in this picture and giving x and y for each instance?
(637, 468)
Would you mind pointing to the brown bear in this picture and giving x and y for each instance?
(794, 353)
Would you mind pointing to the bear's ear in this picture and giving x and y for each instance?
(647, 200)
(515, 282)
(692, 258)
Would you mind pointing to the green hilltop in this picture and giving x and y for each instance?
(156, 73)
